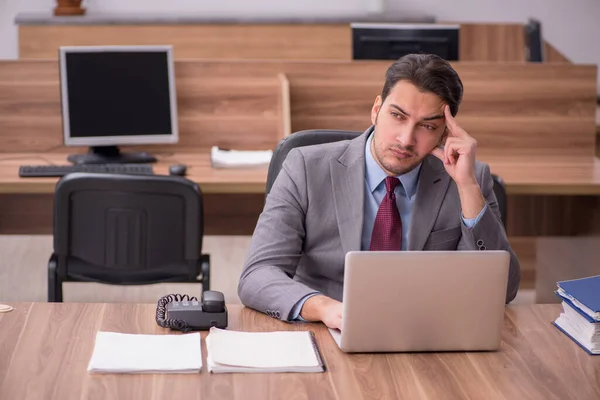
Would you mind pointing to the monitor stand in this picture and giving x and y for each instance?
(110, 155)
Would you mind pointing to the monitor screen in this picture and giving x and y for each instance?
(392, 41)
(118, 95)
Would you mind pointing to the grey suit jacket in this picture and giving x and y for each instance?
(313, 216)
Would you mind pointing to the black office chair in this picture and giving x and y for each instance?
(319, 136)
(127, 230)
(500, 192)
(301, 139)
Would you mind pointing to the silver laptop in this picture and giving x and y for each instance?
(413, 301)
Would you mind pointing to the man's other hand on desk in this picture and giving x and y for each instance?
(323, 308)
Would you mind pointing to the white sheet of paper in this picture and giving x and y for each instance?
(261, 349)
(137, 353)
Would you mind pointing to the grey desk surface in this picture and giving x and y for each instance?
(97, 18)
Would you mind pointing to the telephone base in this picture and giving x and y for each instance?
(192, 313)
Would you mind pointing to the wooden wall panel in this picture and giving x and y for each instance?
(561, 259)
(492, 42)
(510, 108)
(221, 110)
(477, 42)
(225, 214)
(552, 55)
(236, 214)
(217, 41)
(525, 249)
(553, 215)
(26, 214)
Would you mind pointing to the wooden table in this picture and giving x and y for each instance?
(45, 349)
(211, 180)
(233, 198)
(522, 175)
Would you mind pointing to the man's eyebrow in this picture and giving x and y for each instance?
(439, 116)
(400, 109)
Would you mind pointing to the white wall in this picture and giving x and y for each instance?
(570, 26)
(8, 30)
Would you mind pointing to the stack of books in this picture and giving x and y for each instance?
(580, 319)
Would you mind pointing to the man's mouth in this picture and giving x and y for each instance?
(401, 154)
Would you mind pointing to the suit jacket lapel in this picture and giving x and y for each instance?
(431, 190)
(348, 181)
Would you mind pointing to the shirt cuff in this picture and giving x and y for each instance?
(295, 312)
(471, 222)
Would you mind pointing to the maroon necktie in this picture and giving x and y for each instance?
(387, 229)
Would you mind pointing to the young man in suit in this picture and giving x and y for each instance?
(410, 182)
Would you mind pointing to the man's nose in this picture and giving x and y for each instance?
(406, 135)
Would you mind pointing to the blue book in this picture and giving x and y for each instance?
(587, 350)
(574, 307)
(583, 293)
(577, 326)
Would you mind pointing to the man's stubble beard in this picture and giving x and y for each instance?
(391, 168)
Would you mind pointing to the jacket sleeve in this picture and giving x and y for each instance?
(266, 283)
(489, 233)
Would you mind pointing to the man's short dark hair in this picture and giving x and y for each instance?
(429, 73)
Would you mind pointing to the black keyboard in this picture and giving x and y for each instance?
(44, 171)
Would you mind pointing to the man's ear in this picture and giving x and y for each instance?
(375, 109)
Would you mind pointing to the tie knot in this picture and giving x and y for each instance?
(390, 183)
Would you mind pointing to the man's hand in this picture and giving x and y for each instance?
(323, 308)
(458, 156)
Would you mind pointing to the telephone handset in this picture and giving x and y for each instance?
(185, 313)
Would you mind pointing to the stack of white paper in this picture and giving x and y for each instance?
(132, 353)
(286, 351)
(239, 158)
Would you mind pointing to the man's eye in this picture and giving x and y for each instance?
(397, 115)
(429, 127)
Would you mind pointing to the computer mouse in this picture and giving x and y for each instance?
(177, 169)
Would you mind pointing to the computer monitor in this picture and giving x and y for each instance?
(117, 95)
(534, 44)
(392, 41)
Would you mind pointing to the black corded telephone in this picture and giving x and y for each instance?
(186, 313)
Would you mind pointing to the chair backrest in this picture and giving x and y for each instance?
(301, 139)
(500, 192)
(127, 228)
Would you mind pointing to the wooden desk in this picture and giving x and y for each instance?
(211, 180)
(544, 175)
(522, 175)
(45, 350)
(235, 197)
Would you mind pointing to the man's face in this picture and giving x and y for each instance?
(408, 126)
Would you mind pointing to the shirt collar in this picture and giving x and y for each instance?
(375, 174)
